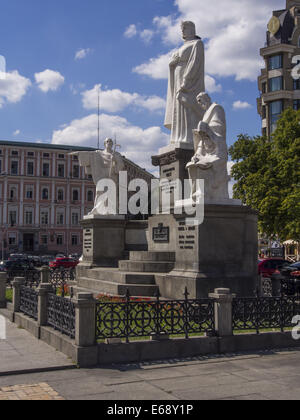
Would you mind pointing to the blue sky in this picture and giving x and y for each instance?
(59, 52)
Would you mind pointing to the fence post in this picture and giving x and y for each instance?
(3, 280)
(45, 275)
(43, 291)
(85, 320)
(223, 312)
(16, 284)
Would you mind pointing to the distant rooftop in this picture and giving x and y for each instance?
(43, 145)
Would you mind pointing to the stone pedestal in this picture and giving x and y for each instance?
(103, 240)
(219, 253)
(172, 163)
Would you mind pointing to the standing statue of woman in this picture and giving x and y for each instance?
(186, 81)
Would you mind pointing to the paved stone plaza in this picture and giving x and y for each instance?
(264, 375)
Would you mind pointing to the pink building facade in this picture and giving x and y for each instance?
(44, 194)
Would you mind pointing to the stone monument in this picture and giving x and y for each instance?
(222, 251)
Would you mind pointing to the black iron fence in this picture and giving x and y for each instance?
(29, 302)
(61, 314)
(131, 318)
(259, 314)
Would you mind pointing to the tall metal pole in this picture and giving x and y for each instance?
(99, 118)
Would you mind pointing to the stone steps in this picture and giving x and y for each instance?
(146, 266)
(106, 287)
(116, 276)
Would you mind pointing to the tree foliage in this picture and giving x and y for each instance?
(267, 172)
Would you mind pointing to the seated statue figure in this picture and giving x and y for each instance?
(103, 164)
(211, 154)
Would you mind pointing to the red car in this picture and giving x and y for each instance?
(269, 266)
(63, 263)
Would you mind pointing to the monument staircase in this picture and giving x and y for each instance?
(137, 274)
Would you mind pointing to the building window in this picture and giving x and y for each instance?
(15, 153)
(45, 194)
(275, 62)
(276, 83)
(12, 240)
(44, 218)
(75, 219)
(30, 168)
(14, 167)
(60, 195)
(61, 170)
(61, 156)
(13, 218)
(46, 169)
(75, 240)
(13, 193)
(46, 155)
(59, 240)
(296, 104)
(44, 240)
(296, 84)
(264, 112)
(30, 154)
(29, 217)
(75, 195)
(75, 171)
(264, 87)
(90, 196)
(29, 193)
(60, 218)
(276, 109)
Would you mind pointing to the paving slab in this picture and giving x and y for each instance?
(20, 353)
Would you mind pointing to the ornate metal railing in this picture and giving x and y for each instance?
(32, 277)
(29, 302)
(129, 318)
(264, 313)
(61, 314)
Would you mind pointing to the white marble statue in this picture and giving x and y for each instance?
(186, 81)
(211, 153)
(102, 164)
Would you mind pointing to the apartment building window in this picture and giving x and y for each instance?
(15, 153)
(12, 239)
(30, 154)
(13, 193)
(13, 218)
(61, 170)
(275, 62)
(29, 193)
(46, 155)
(44, 240)
(45, 194)
(75, 171)
(264, 112)
(75, 195)
(75, 219)
(296, 104)
(29, 217)
(44, 218)
(75, 240)
(14, 167)
(276, 109)
(264, 87)
(46, 169)
(90, 196)
(59, 240)
(60, 218)
(60, 195)
(275, 83)
(296, 84)
(61, 156)
(30, 168)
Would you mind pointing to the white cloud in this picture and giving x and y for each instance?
(115, 100)
(147, 35)
(137, 144)
(13, 87)
(81, 54)
(131, 31)
(241, 105)
(16, 133)
(234, 32)
(49, 80)
(232, 181)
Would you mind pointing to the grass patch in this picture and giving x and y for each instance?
(9, 295)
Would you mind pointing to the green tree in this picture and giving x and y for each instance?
(267, 175)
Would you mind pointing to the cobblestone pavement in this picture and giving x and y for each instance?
(36, 392)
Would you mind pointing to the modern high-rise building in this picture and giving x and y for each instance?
(44, 194)
(279, 89)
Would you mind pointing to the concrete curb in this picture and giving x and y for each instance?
(38, 370)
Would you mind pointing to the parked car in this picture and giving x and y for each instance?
(268, 266)
(63, 263)
(289, 276)
(46, 259)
